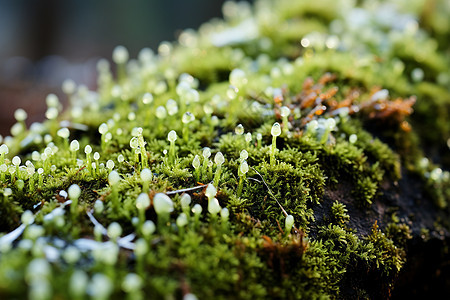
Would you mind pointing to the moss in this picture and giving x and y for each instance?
(346, 151)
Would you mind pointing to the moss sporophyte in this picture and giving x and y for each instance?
(238, 161)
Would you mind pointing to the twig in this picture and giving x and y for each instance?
(270, 192)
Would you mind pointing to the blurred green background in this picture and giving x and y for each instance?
(43, 42)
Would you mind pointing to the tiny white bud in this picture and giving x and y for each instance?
(187, 117)
(63, 132)
(285, 111)
(196, 162)
(276, 129)
(88, 149)
(120, 55)
(74, 192)
(4, 149)
(51, 113)
(289, 222)
(248, 137)
(113, 178)
(131, 283)
(172, 107)
(243, 168)
(172, 136)
(147, 98)
(134, 143)
(182, 220)
(52, 100)
(110, 164)
(243, 155)
(197, 209)
(99, 206)
(74, 146)
(68, 86)
(162, 203)
(27, 217)
(16, 161)
(120, 158)
(214, 206)
(146, 175)
(114, 230)
(206, 152)
(353, 138)
(20, 115)
(142, 201)
(219, 159)
(103, 128)
(148, 228)
(239, 130)
(185, 200)
(161, 112)
(224, 213)
(96, 156)
(211, 191)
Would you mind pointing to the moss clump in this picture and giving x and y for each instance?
(144, 148)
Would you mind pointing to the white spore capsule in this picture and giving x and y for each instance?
(162, 203)
(185, 200)
(239, 130)
(206, 152)
(113, 177)
(120, 55)
(276, 129)
(196, 162)
(88, 149)
(142, 201)
(74, 191)
(64, 133)
(219, 159)
(172, 136)
(243, 168)
(74, 145)
(20, 115)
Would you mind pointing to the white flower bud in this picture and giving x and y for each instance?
(103, 128)
(114, 230)
(162, 203)
(276, 129)
(120, 55)
(142, 201)
(196, 162)
(88, 149)
(185, 200)
(74, 192)
(289, 222)
(243, 168)
(206, 152)
(148, 228)
(74, 146)
(146, 175)
(211, 191)
(172, 136)
(219, 159)
(214, 206)
(113, 178)
(182, 220)
(16, 161)
(285, 111)
(20, 115)
(197, 209)
(64, 133)
(239, 130)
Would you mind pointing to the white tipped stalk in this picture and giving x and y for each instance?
(146, 177)
(276, 131)
(74, 193)
(219, 159)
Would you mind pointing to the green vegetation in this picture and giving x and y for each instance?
(203, 171)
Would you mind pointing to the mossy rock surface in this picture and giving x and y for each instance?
(293, 150)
